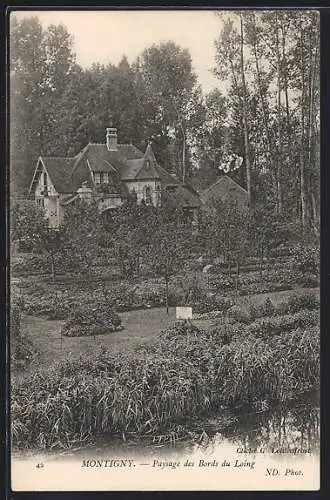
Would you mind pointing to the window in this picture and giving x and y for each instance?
(157, 186)
(40, 202)
(134, 194)
(101, 177)
(97, 177)
(148, 197)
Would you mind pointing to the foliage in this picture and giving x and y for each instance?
(22, 349)
(42, 62)
(306, 259)
(30, 263)
(28, 224)
(267, 116)
(81, 230)
(276, 325)
(294, 303)
(82, 321)
(239, 314)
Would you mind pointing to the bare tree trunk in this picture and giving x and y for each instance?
(311, 126)
(288, 143)
(315, 216)
(302, 136)
(315, 143)
(262, 96)
(285, 83)
(52, 263)
(279, 158)
(245, 119)
(261, 258)
(237, 276)
(166, 291)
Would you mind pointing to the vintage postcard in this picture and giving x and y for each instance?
(164, 248)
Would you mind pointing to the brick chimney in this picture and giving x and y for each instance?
(111, 139)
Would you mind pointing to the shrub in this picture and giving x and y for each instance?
(223, 303)
(239, 314)
(83, 322)
(295, 303)
(306, 261)
(21, 344)
(276, 325)
(266, 308)
(31, 263)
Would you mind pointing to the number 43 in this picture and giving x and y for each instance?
(40, 466)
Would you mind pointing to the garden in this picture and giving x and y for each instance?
(97, 352)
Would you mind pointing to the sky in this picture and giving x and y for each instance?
(105, 36)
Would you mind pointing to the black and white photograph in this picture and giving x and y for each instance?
(164, 212)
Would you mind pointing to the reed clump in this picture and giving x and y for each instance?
(149, 390)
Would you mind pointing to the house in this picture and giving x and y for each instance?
(107, 173)
(226, 190)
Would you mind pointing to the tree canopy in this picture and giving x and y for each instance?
(263, 128)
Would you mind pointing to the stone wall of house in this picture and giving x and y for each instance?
(49, 202)
(141, 190)
(61, 209)
(40, 186)
(108, 202)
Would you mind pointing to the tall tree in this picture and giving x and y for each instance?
(166, 71)
(230, 64)
(40, 65)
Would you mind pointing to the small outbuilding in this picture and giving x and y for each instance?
(226, 190)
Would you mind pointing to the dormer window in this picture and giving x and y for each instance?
(101, 177)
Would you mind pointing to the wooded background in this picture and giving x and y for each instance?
(267, 114)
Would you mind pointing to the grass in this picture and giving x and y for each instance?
(140, 326)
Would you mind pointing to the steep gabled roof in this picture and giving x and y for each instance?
(166, 178)
(101, 159)
(59, 171)
(184, 196)
(130, 171)
(123, 164)
(145, 168)
(223, 189)
(129, 152)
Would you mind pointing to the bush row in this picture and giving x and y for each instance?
(248, 314)
(278, 324)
